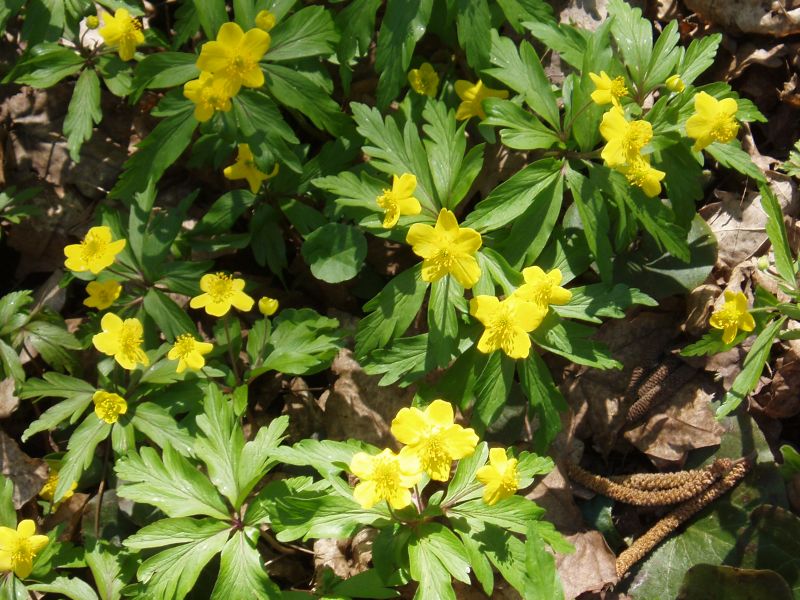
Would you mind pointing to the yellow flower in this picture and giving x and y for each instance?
(625, 138)
(265, 20)
(233, 57)
(385, 476)
(472, 95)
(433, 438)
(122, 340)
(95, 252)
(399, 200)
(245, 168)
(542, 288)
(499, 476)
(507, 324)
(221, 292)
(18, 548)
(446, 249)
(638, 172)
(713, 121)
(122, 31)
(267, 306)
(48, 490)
(208, 94)
(109, 406)
(675, 84)
(92, 22)
(607, 90)
(733, 316)
(102, 294)
(424, 80)
(189, 352)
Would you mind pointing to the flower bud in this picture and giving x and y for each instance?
(267, 306)
(675, 84)
(763, 263)
(92, 22)
(265, 20)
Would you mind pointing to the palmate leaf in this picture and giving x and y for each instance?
(70, 587)
(80, 452)
(634, 37)
(44, 65)
(776, 230)
(571, 340)
(77, 394)
(435, 555)
(83, 112)
(241, 574)
(308, 32)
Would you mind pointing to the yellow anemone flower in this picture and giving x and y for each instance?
(733, 316)
(267, 306)
(208, 93)
(123, 32)
(472, 95)
(399, 200)
(265, 20)
(433, 438)
(499, 476)
(638, 172)
(625, 138)
(607, 90)
(95, 252)
(233, 57)
(189, 352)
(221, 291)
(507, 324)
(385, 476)
(48, 490)
(19, 547)
(102, 294)
(675, 84)
(108, 406)
(245, 168)
(542, 288)
(446, 249)
(424, 80)
(713, 121)
(122, 340)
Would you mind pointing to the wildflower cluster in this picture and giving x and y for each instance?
(121, 31)
(433, 441)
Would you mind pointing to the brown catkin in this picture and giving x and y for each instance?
(681, 514)
(665, 481)
(639, 497)
(669, 380)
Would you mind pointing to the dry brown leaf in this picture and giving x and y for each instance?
(778, 19)
(8, 399)
(28, 474)
(357, 407)
(554, 494)
(685, 422)
(781, 399)
(591, 568)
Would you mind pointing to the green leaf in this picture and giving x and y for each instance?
(546, 400)
(44, 65)
(175, 486)
(164, 70)
(699, 56)
(403, 24)
(733, 584)
(634, 37)
(427, 567)
(308, 32)
(335, 252)
(367, 584)
(158, 425)
(391, 312)
(472, 18)
(666, 54)
(452, 172)
(263, 128)
(464, 476)
(571, 340)
(543, 580)
(328, 457)
(521, 130)
(523, 73)
(590, 302)
(403, 360)
(446, 295)
(212, 15)
(259, 455)
(492, 387)
(302, 91)
(747, 379)
(53, 342)
(594, 217)
(789, 468)
(172, 573)
(83, 112)
(732, 156)
(104, 560)
(12, 366)
(12, 307)
(54, 385)
(356, 22)
(8, 514)
(776, 231)
(241, 574)
(80, 452)
(171, 319)
(302, 342)
(513, 513)
(569, 41)
(439, 544)
(527, 190)
(156, 153)
(72, 588)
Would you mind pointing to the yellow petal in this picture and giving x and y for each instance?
(409, 425)
(361, 465)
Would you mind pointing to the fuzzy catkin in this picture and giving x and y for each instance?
(681, 514)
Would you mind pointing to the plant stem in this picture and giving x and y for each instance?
(230, 348)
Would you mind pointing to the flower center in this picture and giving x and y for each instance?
(728, 316)
(509, 480)
(724, 128)
(184, 345)
(91, 247)
(618, 88)
(238, 65)
(502, 329)
(129, 340)
(386, 478)
(636, 173)
(445, 258)
(636, 136)
(21, 552)
(221, 287)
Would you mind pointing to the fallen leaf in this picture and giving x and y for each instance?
(28, 474)
(733, 584)
(554, 494)
(591, 568)
(8, 399)
(748, 16)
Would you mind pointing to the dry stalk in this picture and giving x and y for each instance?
(681, 514)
